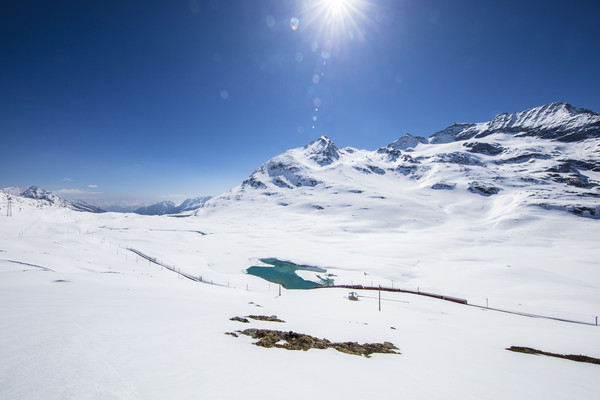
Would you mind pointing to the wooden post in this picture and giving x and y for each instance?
(280, 289)
(379, 297)
(486, 302)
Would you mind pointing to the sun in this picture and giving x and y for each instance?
(336, 21)
(337, 5)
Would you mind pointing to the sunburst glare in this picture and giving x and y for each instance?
(334, 22)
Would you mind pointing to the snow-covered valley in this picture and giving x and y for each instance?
(506, 220)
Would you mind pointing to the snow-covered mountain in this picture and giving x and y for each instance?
(555, 121)
(169, 207)
(190, 204)
(45, 198)
(548, 156)
(159, 208)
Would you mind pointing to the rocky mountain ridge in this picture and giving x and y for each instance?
(548, 156)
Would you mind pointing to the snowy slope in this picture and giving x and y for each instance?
(84, 318)
(460, 215)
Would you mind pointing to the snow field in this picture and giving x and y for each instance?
(98, 322)
(132, 336)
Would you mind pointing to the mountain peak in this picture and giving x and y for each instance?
(34, 192)
(322, 151)
(407, 141)
(556, 121)
(322, 142)
(559, 106)
(454, 132)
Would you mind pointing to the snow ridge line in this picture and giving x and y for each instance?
(29, 265)
(459, 301)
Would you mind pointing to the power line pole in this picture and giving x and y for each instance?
(9, 207)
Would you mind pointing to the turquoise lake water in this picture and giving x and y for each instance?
(284, 273)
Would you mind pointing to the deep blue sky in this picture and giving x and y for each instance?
(145, 100)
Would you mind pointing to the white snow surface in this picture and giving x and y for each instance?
(82, 317)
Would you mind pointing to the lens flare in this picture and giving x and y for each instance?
(294, 23)
(327, 27)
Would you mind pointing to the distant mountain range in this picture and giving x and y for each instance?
(548, 156)
(46, 197)
(169, 207)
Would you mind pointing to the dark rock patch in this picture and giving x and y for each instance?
(281, 183)
(579, 210)
(239, 319)
(406, 169)
(253, 182)
(376, 170)
(572, 357)
(299, 341)
(575, 180)
(490, 149)
(459, 158)
(272, 318)
(583, 211)
(483, 189)
(524, 158)
(443, 186)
